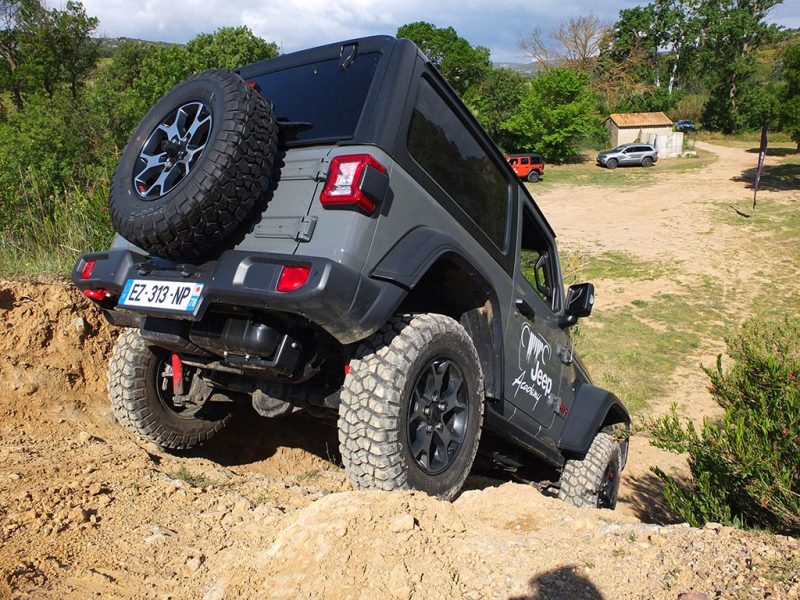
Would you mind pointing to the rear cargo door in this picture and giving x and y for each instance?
(284, 224)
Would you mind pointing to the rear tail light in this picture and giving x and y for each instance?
(343, 187)
(293, 278)
(87, 268)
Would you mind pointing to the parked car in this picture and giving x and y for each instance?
(625, 155)
(527, 166)
(297, 236)
(685, 125)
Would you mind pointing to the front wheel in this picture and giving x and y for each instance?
(593, 482)
(533, 176)
(647, 162)
(612, 163)
(412, 407)
(140, 389)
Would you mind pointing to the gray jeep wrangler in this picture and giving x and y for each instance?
(331, 231)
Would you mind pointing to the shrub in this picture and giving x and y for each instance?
(746, 467)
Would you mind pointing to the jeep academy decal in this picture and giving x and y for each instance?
(534, 354)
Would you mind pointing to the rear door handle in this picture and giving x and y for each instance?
(525, 309)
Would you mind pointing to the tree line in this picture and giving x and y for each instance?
(66, 111)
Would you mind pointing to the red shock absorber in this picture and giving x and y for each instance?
(177, 375)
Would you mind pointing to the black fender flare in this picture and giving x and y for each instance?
(593, 409)
(409, 261)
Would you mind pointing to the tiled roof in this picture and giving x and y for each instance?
(651, 119)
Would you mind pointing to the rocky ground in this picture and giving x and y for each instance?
(86, 511)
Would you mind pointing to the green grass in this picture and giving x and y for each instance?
(745, 139)
(45, 235)
(192, 479)
(634, 349)
(773, 233)
(615, 264)
(588, 173)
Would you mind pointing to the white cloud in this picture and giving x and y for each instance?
(297, 24)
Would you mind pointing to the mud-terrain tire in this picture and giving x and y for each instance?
(593, 482)
(141, 408)
(533, 176)
(612, 163)
(214, 171)
(413, 364)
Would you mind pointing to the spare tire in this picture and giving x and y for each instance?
(195, 166)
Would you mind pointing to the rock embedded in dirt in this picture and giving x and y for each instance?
(401, 523)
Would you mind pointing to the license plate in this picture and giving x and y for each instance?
(180, 296)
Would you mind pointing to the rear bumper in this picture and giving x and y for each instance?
(344, 302)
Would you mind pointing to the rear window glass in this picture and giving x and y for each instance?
(321, 94)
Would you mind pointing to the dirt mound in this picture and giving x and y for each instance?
(264, 511)
(52, 341)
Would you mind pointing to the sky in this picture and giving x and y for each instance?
(299, 24)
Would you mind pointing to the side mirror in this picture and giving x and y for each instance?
(580, 300)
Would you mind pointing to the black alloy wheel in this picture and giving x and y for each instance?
(437, 416)
(609, 487)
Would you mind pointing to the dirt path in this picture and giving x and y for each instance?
(678, 222)
(86, 511)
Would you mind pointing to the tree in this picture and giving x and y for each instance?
(165, 66)
(229, 48)
(77, 51)
(574, 44)
(733, 30)
(17, 18)
(557, 113)
(665, 31)
(633, 35)
(790, 115)
(682, 29)
(41, 48)
(498, 99)
(463, 66)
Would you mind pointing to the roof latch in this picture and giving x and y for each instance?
(347, 54)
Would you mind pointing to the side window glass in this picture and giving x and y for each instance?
(448, 151)
(525, 160)
(537, 263)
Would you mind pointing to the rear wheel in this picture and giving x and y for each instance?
(412, 407)
(140, 389)
(593, 482)
(612, 163)
(533, 176)
(647, 162)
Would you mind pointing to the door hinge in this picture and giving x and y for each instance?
(299, 229)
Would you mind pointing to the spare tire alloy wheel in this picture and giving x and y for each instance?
(172, 150)
(195, 167)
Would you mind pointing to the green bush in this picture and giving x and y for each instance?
(746, 467)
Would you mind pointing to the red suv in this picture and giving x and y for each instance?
(527, 166)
